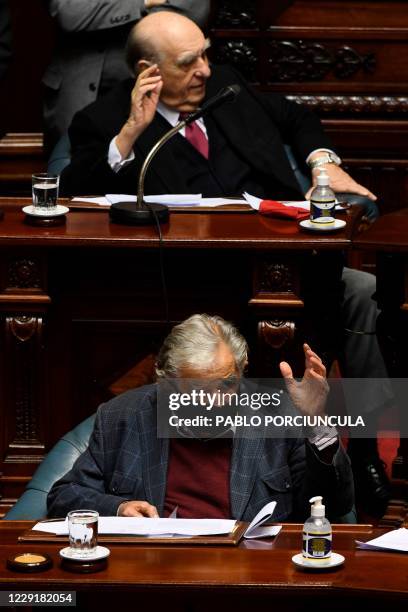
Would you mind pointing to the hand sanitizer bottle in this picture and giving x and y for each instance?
(317, 534)
(322, 200)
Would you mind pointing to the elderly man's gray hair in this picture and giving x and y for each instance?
(194, 342)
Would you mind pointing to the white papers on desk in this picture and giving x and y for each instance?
(55, 527)
(257, 529)
(101, 200)
(393, 541)
(147, 526)
(170, 527)
(183, 199)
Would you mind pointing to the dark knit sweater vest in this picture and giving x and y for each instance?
(198, 478)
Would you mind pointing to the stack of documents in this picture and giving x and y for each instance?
(170, 527)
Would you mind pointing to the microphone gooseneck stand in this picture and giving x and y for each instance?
(143, 214)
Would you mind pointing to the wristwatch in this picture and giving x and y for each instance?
(327, 158)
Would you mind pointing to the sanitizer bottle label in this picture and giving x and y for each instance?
(317, 546)
(322, 211)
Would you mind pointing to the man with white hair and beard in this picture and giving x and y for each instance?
(129, 471)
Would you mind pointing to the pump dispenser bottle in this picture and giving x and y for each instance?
(322, 200)
(317, 534)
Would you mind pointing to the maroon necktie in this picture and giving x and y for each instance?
(196, 136)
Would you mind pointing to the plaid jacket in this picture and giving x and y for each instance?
(125, 460)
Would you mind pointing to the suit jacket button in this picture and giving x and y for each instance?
(92, 86)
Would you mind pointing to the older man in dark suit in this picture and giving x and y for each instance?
(88, 58)
(130, 471)
(168, 54)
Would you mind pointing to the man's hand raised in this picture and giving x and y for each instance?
(137, 508)
(310, 394)
(143, 103)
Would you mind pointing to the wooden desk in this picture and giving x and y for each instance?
(83, 313)
(255, 575)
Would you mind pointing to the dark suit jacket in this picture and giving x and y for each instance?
(125, 460)
(257, 126)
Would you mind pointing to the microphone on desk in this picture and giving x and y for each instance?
(127, 213)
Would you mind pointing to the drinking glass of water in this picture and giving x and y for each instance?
(45, 192)
(83, 532)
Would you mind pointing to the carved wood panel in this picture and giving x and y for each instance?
(23, 368)
(23, 345)
(347, 60)
(302, 61)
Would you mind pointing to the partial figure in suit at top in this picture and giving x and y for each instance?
(89, 54)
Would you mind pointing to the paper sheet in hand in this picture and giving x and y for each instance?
(257, 529)
(120, 525)
(393, 541)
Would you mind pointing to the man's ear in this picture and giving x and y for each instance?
(141, 65)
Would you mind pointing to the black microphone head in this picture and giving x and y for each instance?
(227, 94)
(233, 90)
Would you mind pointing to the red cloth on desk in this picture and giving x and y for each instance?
(277, 209)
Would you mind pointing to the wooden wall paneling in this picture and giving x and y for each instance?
(23, 394)
(21, 155)
(346, 60)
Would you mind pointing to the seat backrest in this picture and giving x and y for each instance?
(32, 504)
(300, 170)
(60, 155)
